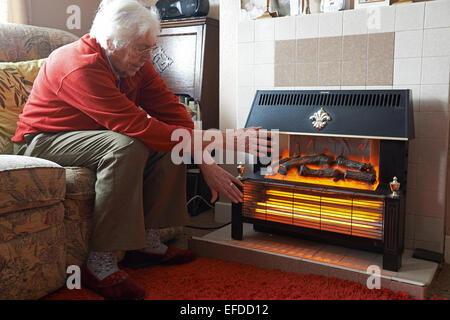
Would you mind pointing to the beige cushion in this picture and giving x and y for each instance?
(27, 182)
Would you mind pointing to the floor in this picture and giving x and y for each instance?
(440, 278)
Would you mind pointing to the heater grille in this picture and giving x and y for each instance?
(366, 99)
(350, 214)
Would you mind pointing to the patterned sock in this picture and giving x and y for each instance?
(154, 244)
(102, 264)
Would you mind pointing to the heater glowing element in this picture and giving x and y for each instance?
(348, 214)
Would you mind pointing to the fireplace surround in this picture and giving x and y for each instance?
(340, 153)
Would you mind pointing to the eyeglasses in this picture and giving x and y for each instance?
(144, 52)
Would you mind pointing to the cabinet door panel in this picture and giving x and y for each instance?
(184, 47)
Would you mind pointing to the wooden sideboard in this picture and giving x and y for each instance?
(187, 59)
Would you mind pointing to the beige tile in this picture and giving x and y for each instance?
(284, 75)
(430, 178)
(330, 49)
(381, 45)
(380, 72)
(354, 73)
(308, 50)
(307, 74)
(285, 51)
(329, 73)
(354, 47)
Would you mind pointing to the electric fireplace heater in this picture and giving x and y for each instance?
(343, 158)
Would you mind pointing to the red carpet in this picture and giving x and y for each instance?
(210, 279)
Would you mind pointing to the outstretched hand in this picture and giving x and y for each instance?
(221, 181)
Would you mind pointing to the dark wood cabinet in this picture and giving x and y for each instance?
(188, 60)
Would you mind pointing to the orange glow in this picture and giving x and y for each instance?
(351, 215)
(293, 176)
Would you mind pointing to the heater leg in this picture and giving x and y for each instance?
(394, 227)
(236, 221)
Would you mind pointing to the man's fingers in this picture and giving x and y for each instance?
(213, 196)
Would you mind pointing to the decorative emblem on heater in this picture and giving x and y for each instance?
(161, 61)
(320, 119)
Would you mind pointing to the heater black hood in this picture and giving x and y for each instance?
(377, 114)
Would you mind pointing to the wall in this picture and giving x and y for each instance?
(408, 48)
(53, 14)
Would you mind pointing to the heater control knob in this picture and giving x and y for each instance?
(395, 187)
(240, 168)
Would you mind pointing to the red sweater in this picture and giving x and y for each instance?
(77, 89)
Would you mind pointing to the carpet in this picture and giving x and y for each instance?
(211, 279)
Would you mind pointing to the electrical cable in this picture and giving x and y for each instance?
(209, 205)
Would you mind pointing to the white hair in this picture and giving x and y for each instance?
(122, 22)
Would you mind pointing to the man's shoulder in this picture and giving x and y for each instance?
(73, 57)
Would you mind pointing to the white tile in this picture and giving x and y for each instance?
(436, 42)
(434, 98)
(245, 75)
(330, 24)
(409, 16)
(285, 28)
(264, 52)
(437, 14)
(415, 92)
(381, 19)
(407, 71)
(246, 53)
(408, 44)
(246, 31)
(245, 99)
(264, 29)
(264, 75)
(429, 229)
(432, 125)
(435, 70)
(355, 22)
(307, 26)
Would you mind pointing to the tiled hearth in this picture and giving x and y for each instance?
(402, 47)
(301, 256)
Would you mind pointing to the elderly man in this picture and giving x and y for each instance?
(98, 103)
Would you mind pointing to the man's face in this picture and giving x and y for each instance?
(130, 59)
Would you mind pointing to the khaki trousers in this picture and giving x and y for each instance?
(136, 188)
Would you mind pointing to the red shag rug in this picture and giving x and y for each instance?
(211, 279)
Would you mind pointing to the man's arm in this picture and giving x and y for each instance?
(94, 93)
